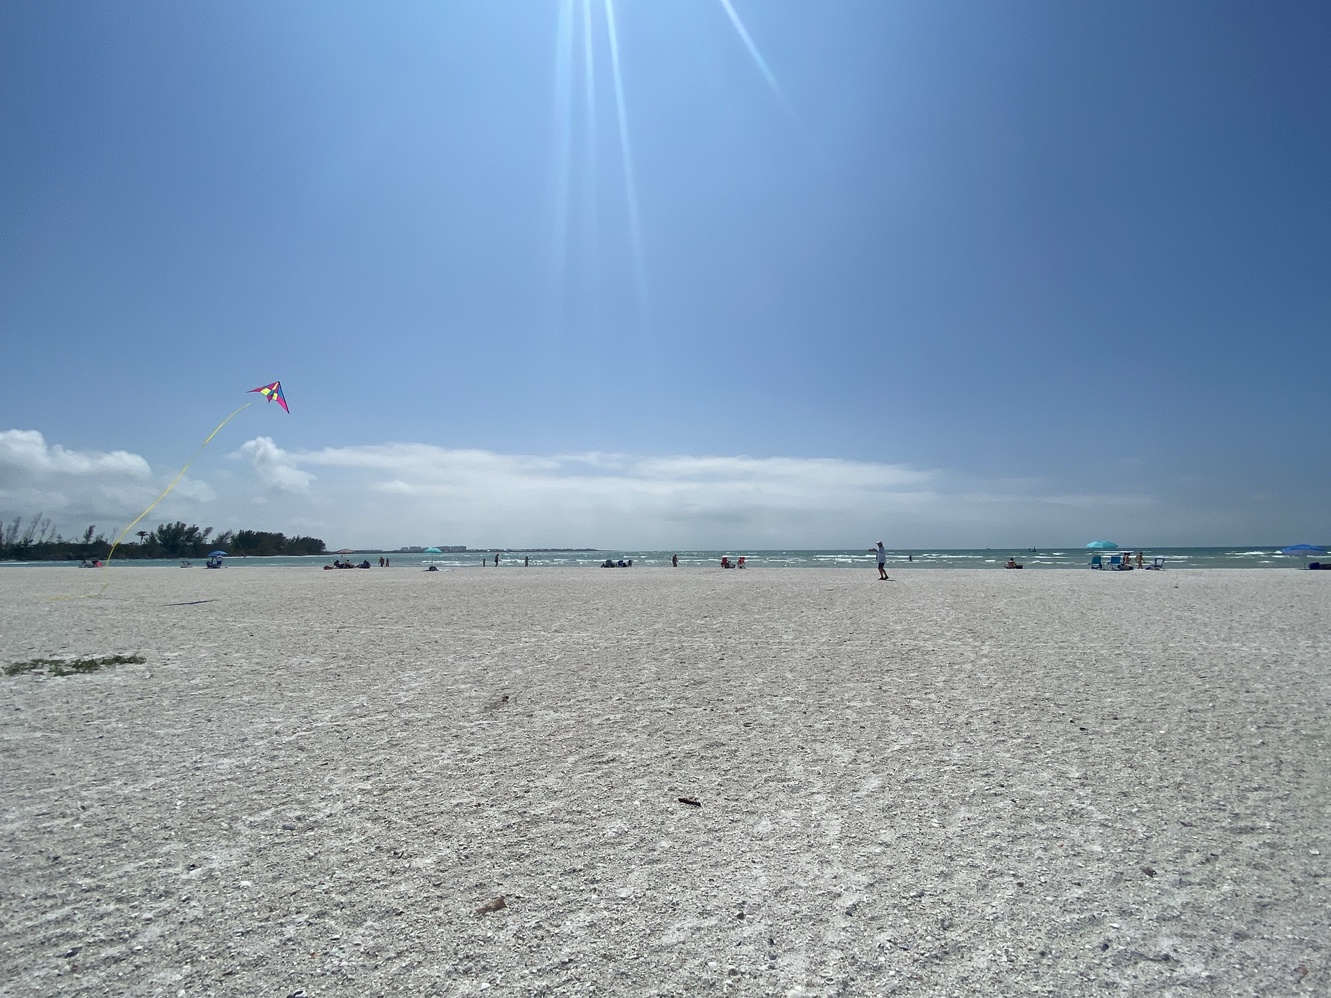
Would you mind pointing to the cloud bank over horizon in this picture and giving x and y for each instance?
(391, 495)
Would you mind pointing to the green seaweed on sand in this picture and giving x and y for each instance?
(71, 666)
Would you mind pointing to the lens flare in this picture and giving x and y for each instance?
(564, 139)
(630, 188)
(758, 59)
(577, 170)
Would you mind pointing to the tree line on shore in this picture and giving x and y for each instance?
(38, 540)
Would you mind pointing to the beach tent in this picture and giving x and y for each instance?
(1102, 546)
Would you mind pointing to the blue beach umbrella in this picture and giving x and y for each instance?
(216, 554)
(1303, 549)
(433, 551)
(1103, 546)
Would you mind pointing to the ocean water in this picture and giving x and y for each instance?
(1240, 556)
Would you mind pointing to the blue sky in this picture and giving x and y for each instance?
(948, 274)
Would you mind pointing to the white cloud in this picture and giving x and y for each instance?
(74, 488)
(399, 493)
(392, 494)
(275, 467)
(26, 451)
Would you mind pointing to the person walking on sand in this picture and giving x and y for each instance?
(882, 560)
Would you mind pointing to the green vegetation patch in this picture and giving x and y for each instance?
(71, 666)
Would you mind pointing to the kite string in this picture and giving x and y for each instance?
(179, 475)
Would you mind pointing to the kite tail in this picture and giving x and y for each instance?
(179, 475)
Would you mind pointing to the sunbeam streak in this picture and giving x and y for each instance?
(564, 139)
(753, 49)
(589, 83)
(758, 59)
(579, 171)
(590, 225)
(629, 187)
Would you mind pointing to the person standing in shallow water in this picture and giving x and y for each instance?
(882, 560)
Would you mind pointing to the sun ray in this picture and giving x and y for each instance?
(630, 187)
(758, 59)
(591, 231)
(564, 139)
(589, 95)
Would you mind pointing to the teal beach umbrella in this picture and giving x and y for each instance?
(1102, 546)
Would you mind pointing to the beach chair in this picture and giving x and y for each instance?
(1158, 565)
(1115, 561)
(1097, 561)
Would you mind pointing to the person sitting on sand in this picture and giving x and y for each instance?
(1011, 563)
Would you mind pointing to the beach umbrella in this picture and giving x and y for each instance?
(433, 551)
(1103, 546)
(216, 554)
(1303, 549)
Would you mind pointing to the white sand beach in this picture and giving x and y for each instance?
(953, 783)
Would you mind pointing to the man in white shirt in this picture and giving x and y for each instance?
(882, 560)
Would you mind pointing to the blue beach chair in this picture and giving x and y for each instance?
(1096, 561)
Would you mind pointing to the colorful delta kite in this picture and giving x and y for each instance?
(273, 393)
